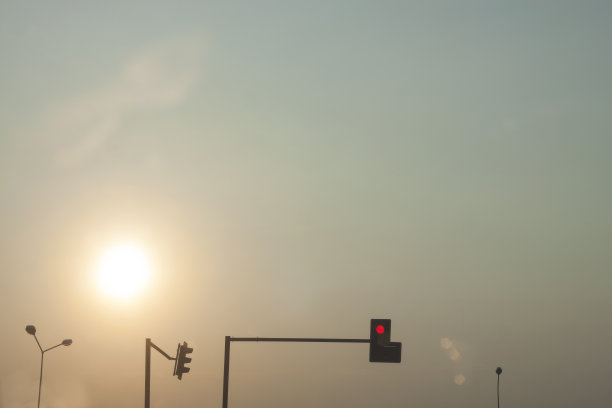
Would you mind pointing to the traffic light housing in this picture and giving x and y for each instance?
(182, 359)
(382, 350)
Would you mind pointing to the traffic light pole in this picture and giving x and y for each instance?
(229, 339)
(148, 346)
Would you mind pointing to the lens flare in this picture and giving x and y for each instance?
(460, 379)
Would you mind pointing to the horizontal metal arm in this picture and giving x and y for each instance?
(301, 340)
(162, 352)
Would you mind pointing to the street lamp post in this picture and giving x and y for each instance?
(498, 371)
(30, 329)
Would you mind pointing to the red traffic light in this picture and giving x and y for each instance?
(382, 349)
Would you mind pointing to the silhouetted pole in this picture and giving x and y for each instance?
(30, 329)
(498, 371)
(42, 357)
(226, 370)
(148, 345)
(147, 373)
(229, 339)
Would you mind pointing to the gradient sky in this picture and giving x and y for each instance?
(295, 169)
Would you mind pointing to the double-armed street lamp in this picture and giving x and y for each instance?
(30, 329)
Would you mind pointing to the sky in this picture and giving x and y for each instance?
(294, 169)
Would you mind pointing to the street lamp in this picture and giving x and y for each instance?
(30, 329)
(498, 371)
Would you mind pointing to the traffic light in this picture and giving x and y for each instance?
(182, 359)
(382, 350)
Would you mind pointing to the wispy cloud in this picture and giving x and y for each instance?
(156, 78)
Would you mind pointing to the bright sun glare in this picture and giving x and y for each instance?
(123, 271)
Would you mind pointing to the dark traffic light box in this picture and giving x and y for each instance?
(182, 359)
(382, 349)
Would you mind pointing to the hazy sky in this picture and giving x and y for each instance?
(294, 169)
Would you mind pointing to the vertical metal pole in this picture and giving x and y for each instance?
(498, 371)
(42, 356)
(497, 390)
(176, 358)
(226, 371)
(148, 373)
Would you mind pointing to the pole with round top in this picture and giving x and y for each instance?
(30, 329)
(498, 371)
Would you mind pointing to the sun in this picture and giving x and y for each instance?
(123, 271)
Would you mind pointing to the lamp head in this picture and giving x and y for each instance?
(498, 371)
(31, 329)
(67, 342)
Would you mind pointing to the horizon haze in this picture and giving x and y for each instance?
(188, 170)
